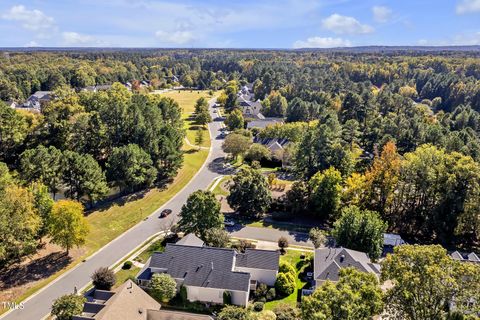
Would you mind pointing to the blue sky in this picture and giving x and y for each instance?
(238, 24)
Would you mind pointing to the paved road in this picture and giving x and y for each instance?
(38, 306)
(270, 235)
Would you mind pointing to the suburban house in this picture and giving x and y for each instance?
(207, 273)
(329, 261)
(390, 241)
(275, 146)
(102, 87)
(37, 100)
(465, 257)
(128, 301)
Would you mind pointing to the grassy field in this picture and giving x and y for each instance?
(123, 275)
(109, 222)
(187, 98)
(293, 258)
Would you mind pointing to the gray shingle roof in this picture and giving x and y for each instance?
(258, 259)
(191, 240)
(201, 267)
(329, 261)
(263, 123)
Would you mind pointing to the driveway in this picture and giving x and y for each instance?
(38, 305)
(269, 235)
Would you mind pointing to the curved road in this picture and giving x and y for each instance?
(38, 305)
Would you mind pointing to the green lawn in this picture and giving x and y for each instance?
(292, 257)
(219, 190)
(123, 275)
(187, 98)
(155, 246)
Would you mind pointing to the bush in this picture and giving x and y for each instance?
(282, 243)
(242, 245)
(262, 299)
(163, 287)
(266, 315)
(285, 284)
(286, 267)
(67, 306)
(183, 295)
(286, 312)
(233, 313)
(271, 294)
(261, 290)
(258, 306)
(227, 297)
(127, 265)
(103, 278)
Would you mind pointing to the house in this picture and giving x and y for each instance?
(37, 100)
(276, 146)
(329, 261)
(103, 87)
(390, 241)
(262, 124)
(207, 272)
(465, 257)
(128, 301)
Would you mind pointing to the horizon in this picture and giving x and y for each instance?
(283, 24)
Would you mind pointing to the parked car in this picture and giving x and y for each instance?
(229, 223)
(165, 212)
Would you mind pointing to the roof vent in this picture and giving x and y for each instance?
(140, 310)
(342, 257)
(212, 265)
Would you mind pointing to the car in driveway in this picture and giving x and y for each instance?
(229, 223)
(165, 213)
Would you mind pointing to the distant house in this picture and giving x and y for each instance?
(12, 104)
(275, 146)
(207, 272)
(37, 100)
(97, 88)
(390, 241)
(128, 302)
(329, 261)
(263, 123)
(465, 257)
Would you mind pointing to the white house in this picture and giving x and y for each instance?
(207, 272)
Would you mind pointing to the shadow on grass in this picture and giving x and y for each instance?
(38, 269)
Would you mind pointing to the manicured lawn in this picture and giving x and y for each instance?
(123, 275)
(156, 246)
(191, 132)
(219, 190)
(187, 98)
(292, 257)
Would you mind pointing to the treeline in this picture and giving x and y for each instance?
(83, 141)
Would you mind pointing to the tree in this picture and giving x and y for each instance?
(275, 105)
(285, 284)
(83, 177)
(235, 120)
(67, 225)
(200, 213)
(325, 193)
(257, 152)
(356, 296)
(13, 131)
(236, 144)
(44, 165)
(426, 279)
(103, 278)
(19, 223)
(202, 115)
(249, 193)
(199, 137)
(360, 230)
(43, 204)
(216, 237)
(131, 168)
(67, 306)
(234, 313)
(282, 243)
(317, 236)
(163, 287)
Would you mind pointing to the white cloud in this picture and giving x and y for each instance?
(343, 24)
(319, 42)
(75, 38)
(175, 37)
(381, 14)
(34, 20)
(468, 6)
(31, 44)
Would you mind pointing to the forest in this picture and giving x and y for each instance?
(394, 133)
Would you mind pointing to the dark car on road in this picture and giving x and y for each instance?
(165, 212)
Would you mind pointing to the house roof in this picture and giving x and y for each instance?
(329, 261)
(174, 315)
(127, 302)
(199, 267)
(46, 95)
(191, 240)
(258, 259)
(264, 123)
(469, 257)
(391, 239)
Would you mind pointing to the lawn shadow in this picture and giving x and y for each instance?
(38, 269)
